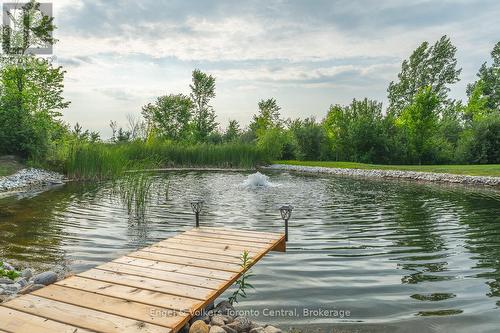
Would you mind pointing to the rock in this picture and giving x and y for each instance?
(30, 288)
(227, 319)
(241, 324)
(225, 308)
(272, 329)
(1, 291)
(6, 281)
(199, 326)
(258, 329)
(8, 267)
(228, 329)
(45, 278)
(27, 274)
(22, 281)
(217, 329)
(218, 320)
(12, 289)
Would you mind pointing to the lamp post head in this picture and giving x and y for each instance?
(286, 211)
(197, 205)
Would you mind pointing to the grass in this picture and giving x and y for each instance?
(471, 170)
(108, 161)
(9, 165)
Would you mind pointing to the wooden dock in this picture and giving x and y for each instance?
(155, 289)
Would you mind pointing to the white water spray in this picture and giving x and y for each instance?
(257, 180)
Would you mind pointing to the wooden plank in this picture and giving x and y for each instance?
(14, 321)
(204, 244)
(81, 317)
(191, 254)
(186, 261)
(149, 297)
(166, 287)
(180, 268)
(198, 249)
(208, 241)
(241, 238)
(113, 305)
(249, 233)
(164, 276)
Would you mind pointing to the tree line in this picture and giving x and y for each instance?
(421, 124)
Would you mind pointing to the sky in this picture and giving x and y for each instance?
(120, 55)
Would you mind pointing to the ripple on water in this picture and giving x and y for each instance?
(390, 252)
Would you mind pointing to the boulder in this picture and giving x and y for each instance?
(258, 329)
(45, 278)
(225, 308)
(22, 281)
(30, 288)
(272, 329)
(241, 324)
(228, 329)
(27, 274)
(6, 281)
(218, 320)
(216, 329)
(199, 326)
(8, 267)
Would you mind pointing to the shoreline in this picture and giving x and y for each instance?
(391, 174)
(28, 180)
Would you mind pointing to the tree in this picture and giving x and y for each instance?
(419, 122)
(30, 88)
(233, 131)
(30, 29)
(428, 66)
(268, 116)
(310, 139)
(357, 131)
(170, 116)
(487, 88)
(202, 91)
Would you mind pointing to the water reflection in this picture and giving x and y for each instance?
(393, 253)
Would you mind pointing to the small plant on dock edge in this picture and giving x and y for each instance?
(242, 283)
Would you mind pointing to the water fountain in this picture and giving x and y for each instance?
(257, 180)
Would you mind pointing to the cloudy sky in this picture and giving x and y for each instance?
(308, 54)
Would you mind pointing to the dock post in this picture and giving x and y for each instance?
(197, 205)
(286, 212)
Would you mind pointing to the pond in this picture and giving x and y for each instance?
(362, 254)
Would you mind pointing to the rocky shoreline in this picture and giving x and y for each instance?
(15, 282)
(29, 179)
(392, 174)
(223, 318)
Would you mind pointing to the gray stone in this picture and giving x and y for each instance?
(216, 329)
(8, 267)
(6, 281)
(258, 329)
(199, 326)
(227, 319)
(22, 281)
(272, 329)
(225, 308)
(1, 291)
(218, 320)
(241, 324)
(27, 274)
(45, 278)
(228, 329)
(31, 287)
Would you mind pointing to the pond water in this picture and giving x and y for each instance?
(386, 255)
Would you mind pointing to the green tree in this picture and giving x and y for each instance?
(30, 88)
(357, 131)
(419, 122)
(233, 131)
(310, 139)
(169, 116)
(268, 116)
(202, 91)
(428, 66)
(486, 90)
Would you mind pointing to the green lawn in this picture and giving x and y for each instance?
(9, 165)
(472, 170)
